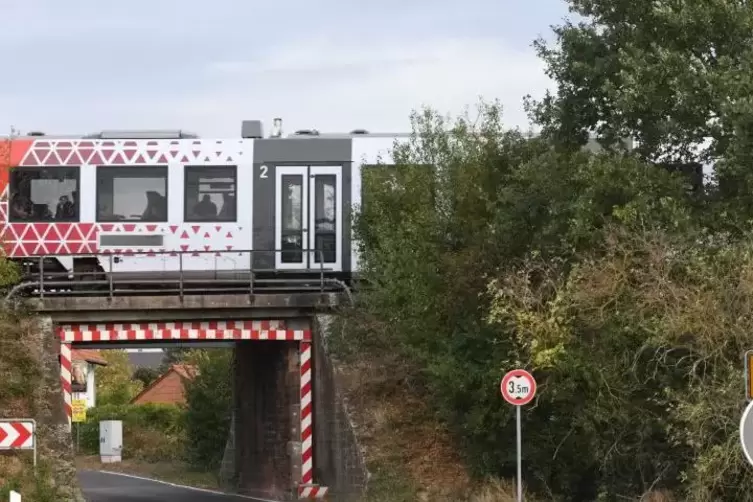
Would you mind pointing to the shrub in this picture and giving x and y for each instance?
(151, 432)
(208, 402)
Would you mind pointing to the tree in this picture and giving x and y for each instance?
(172, 356)
(115, 383)
(146, 375)
(467, 201)
(208, 406)
(638, 348)
(673, 75)
(669, 73)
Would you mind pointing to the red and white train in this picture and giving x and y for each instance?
(153, 205)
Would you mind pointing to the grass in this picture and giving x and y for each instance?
(172, 472)
(410, 455)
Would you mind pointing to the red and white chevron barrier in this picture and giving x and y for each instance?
(312, 492)
(17, 435)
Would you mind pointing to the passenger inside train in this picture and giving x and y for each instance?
(37, 194)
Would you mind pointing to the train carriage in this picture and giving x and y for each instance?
(150, 207)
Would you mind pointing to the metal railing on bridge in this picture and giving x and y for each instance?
(182, 273)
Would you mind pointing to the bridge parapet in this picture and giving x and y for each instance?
(99, 310)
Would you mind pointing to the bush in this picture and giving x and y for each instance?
(115, 382)
(208, 407)
(151, 432)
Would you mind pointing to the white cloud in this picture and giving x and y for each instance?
(341, 86)
(328, 84)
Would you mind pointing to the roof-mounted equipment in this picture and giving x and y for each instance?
(145, 134)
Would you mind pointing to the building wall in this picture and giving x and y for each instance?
(91, 387)
(90, 396)
(167, 391)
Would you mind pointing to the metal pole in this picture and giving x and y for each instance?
(520, 455)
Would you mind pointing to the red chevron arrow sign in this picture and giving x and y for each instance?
(16, 435)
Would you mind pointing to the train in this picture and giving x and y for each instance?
(150, 206)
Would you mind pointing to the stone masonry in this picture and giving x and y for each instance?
(338, 461)
(267, 395)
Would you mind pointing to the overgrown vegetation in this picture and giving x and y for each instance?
(208, 407)
(26, 392)
(151, 432)
(628, 295)
(193, 434)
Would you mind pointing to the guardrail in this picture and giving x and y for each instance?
(178, 276)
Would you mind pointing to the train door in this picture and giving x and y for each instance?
(308, 216)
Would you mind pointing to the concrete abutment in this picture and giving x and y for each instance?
(267, 398)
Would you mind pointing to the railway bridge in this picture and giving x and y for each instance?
(288, 438)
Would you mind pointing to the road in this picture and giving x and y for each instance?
(113, 487)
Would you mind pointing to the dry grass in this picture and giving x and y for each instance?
(411, 456)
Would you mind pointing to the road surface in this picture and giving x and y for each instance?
(112, 487)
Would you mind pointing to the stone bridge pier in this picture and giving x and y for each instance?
(271, 448)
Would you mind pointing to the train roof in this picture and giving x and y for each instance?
(250, 129)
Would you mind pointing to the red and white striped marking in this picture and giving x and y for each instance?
(307, 419)
(312, 492)
(212, 330)
(65, 378)
(157, 332)
(17, 435)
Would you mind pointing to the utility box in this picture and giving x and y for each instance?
(110, 441)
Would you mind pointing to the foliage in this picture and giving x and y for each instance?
(146, 375)
(208, 406)
(173, 356)
(37, 487)
(480, 251)
(674, 76)
(649, 329)
(669, 74)
(115, 384)
(151, 432)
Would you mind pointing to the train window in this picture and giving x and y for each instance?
(211, 193)
(132, 193)
(44, 194)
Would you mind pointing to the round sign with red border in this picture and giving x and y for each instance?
(518, 387)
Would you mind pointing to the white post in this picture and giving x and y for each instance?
(15, 496)
(520, 454)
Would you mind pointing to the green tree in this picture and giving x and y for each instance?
(115, 383)
(208, 406)
(467, 200)
(669, 73)
(172, 356)
(638, 350)
(146, 375)
(673, 75)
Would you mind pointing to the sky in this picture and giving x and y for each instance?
(87, 65)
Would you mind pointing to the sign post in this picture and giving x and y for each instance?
(518, 387)
(79, 415)
(19, 434)
(749, 375)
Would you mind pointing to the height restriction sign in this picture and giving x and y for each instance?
(518, 387)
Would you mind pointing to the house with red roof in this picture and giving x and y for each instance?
(169, 387)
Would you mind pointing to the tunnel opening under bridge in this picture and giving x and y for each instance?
(269, 449)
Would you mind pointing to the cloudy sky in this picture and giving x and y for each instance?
(335, 65)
